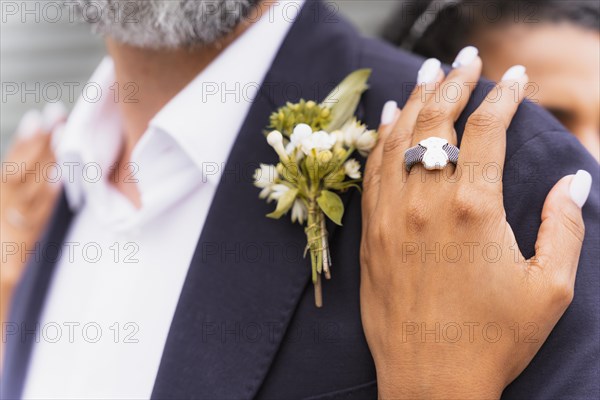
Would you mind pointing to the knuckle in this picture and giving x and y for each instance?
(396, 141)
(378, 233)
(364, 253)
(465, 205)
(562, 292)
(432, 116)
(484, 122)
(372, 177)
(417, 218)
(574, 224)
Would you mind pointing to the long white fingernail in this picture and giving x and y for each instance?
(53, 114)
(30, 124)
(580, 187)
(465, 57)
(514, 73)
(389, 112)
(429, 71)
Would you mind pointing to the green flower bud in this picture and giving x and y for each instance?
(311, 166)
(286, 118)
(339, 153)
(324, 158)
(280, 169)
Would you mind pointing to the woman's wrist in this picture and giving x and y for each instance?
(437, 382)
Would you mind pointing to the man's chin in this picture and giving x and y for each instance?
(164, 24)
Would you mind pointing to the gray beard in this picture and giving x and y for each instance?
(157, 24)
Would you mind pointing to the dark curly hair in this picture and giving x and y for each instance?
(440, 28)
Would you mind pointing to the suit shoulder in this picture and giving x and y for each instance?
(394, 73)
(393, 70)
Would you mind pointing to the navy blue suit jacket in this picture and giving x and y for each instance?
(246, 325)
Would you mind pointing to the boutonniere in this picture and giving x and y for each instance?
(315, 143)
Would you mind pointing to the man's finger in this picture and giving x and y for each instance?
(561, 234)
(484, 139)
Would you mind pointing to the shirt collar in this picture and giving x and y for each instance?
(92, 136)
(204, 116)
(216, 102)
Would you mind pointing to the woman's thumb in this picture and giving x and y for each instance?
(561, 234)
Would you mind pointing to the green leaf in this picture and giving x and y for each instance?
(344, 99)
(284, 204)
(331, 205)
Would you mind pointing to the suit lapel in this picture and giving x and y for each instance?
(28, 301)
(248, 272)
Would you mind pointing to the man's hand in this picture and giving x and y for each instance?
(450, 307)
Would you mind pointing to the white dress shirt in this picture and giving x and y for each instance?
(116, 286)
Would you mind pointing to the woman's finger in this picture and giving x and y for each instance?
(561, 234)
(429, 78)
(442, 110)
(30, 125)
(34, 133)
(53, 115)
(37, 176)
(35, 122)
(484, 139)
(392, 167)
(389, 117)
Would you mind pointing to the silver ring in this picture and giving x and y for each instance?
(433, 152)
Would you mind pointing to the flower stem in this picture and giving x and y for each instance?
(318, 292)
(325, 249)
(317, 244)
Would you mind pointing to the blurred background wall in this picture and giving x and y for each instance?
(44, 57)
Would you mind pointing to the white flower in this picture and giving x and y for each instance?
(264, 178)
(265, 175)
(339, 138)
(358, 136)
(299, 211)
(277, 191)
(352, 168)
(319, 141)
(352, 131)
(275, 140)
(301, 132)
(366, 142)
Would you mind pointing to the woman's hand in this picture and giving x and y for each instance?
(26, 195)
(450, 307)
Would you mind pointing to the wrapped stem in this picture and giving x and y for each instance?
(318, 246)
